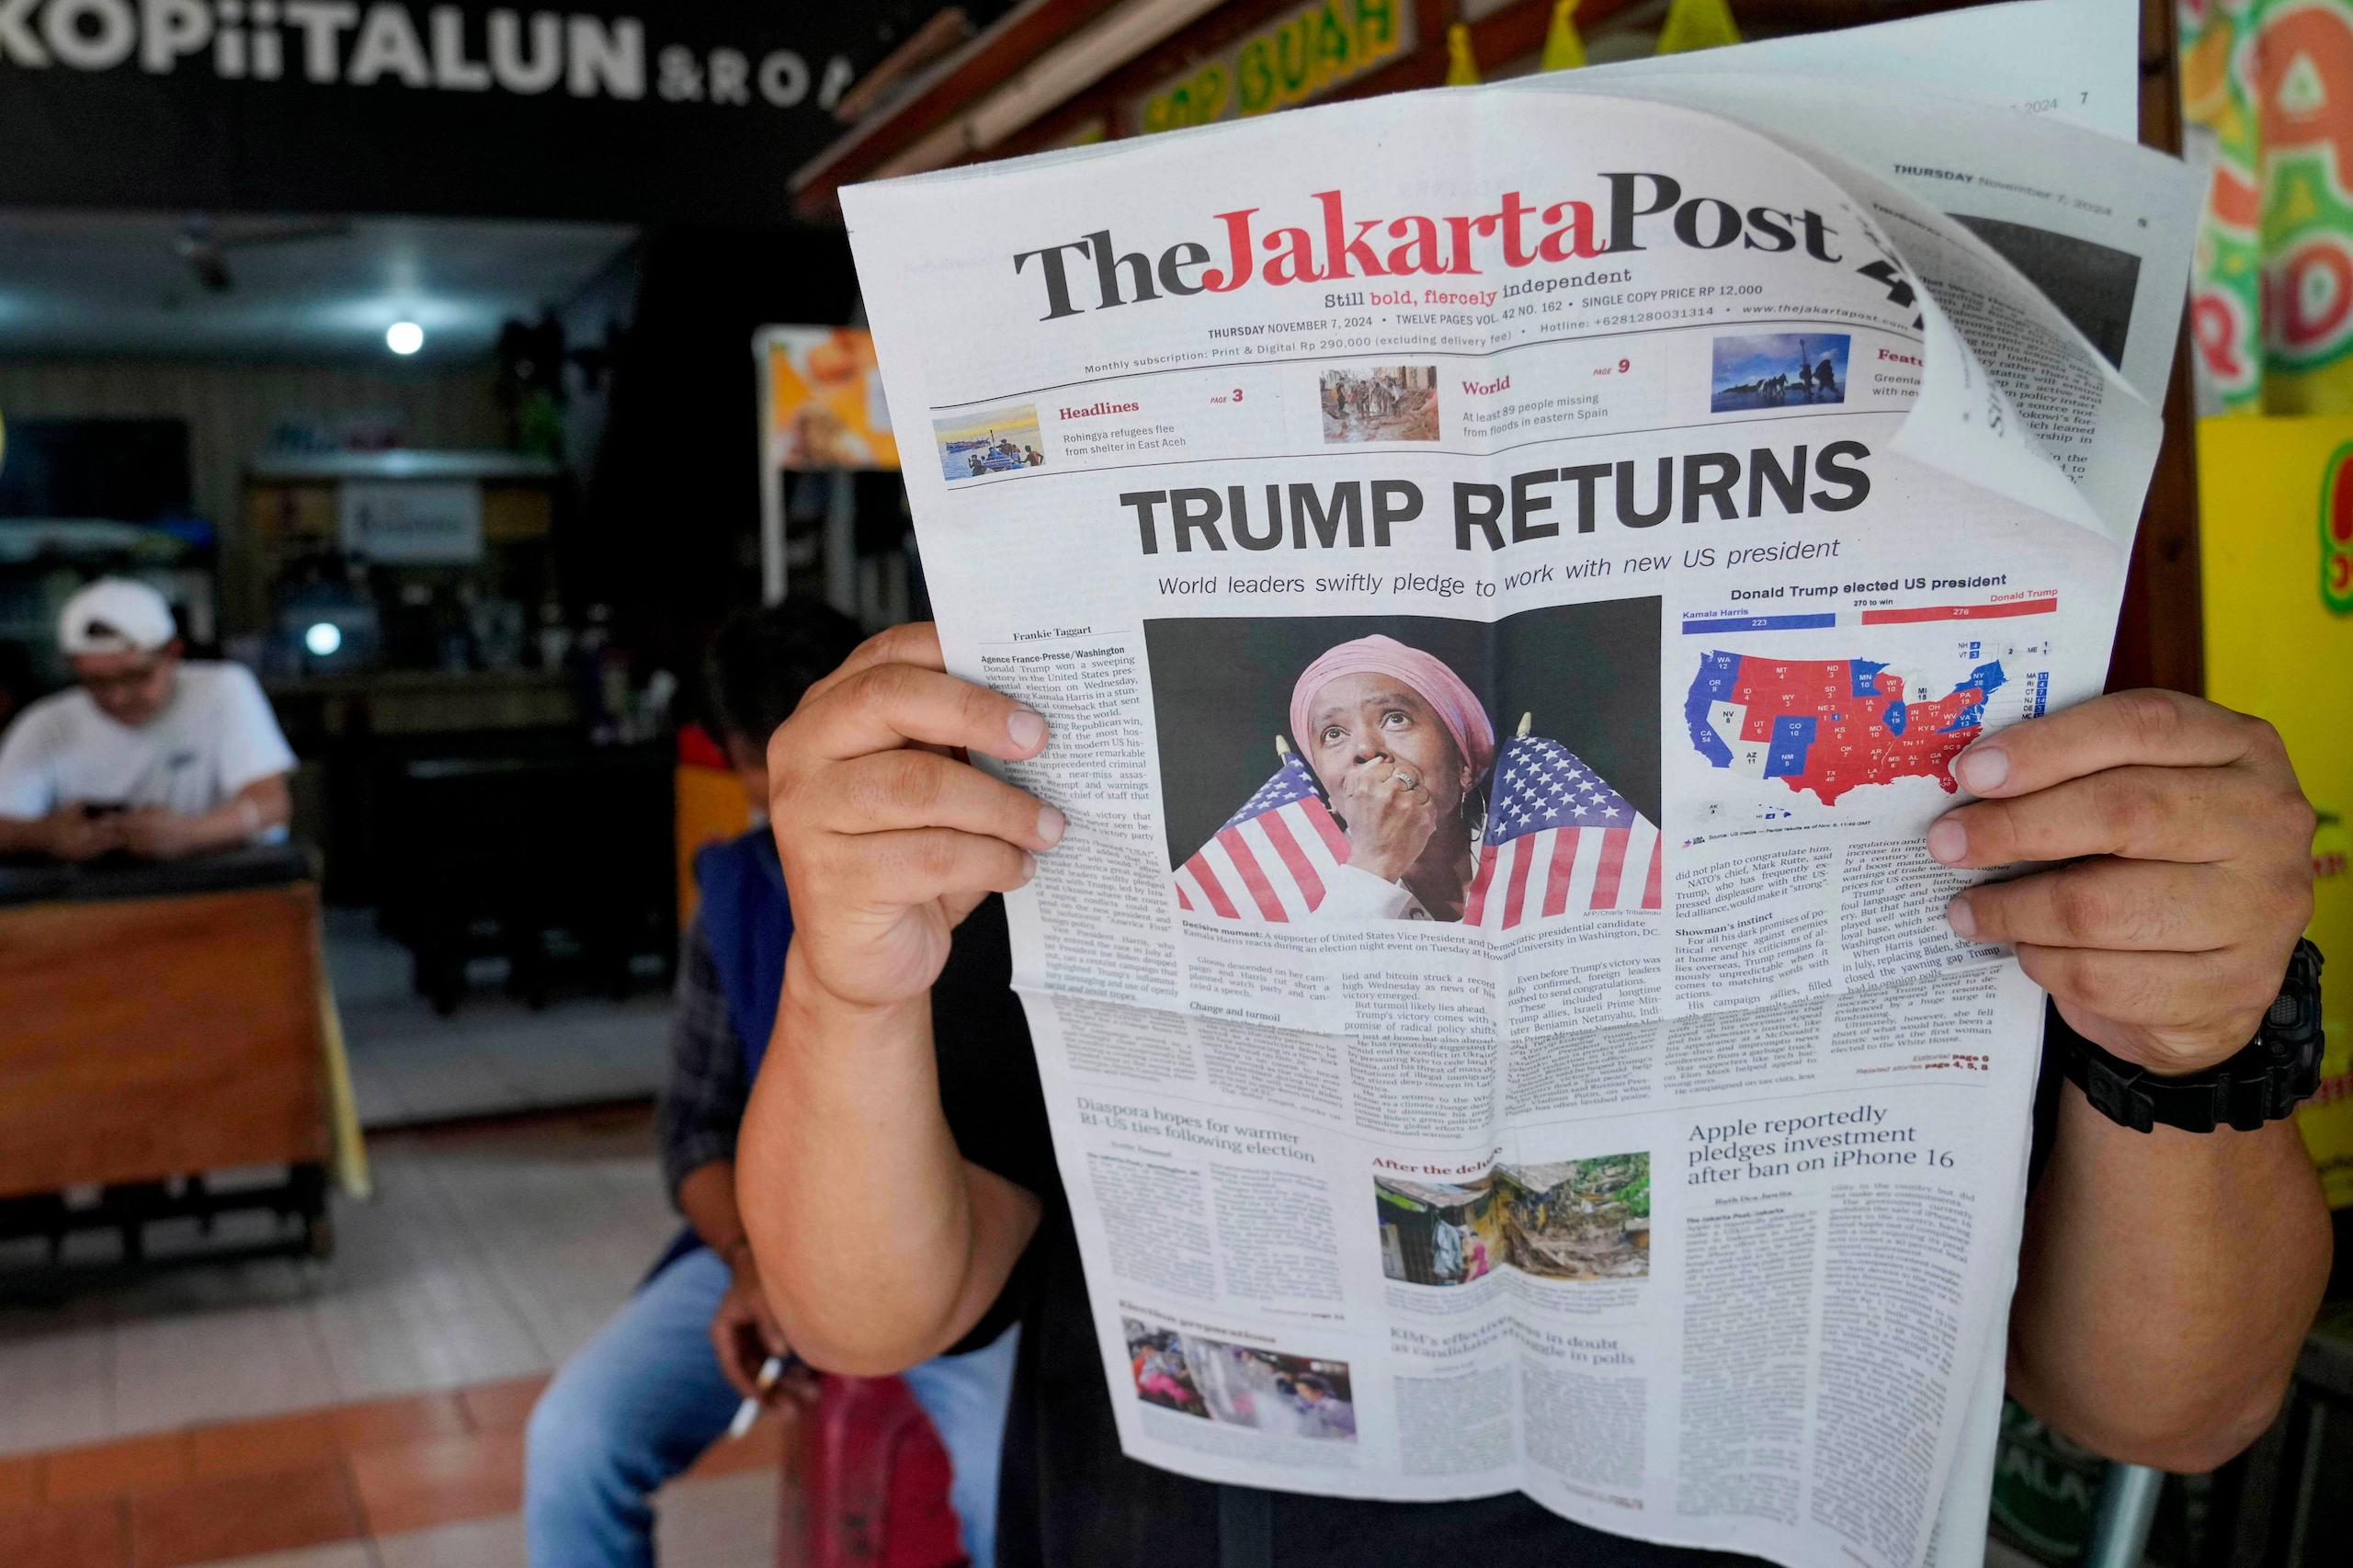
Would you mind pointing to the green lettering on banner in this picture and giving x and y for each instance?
(1294, 59)
(1196, 101)
(1291, 61)
(1257, 79)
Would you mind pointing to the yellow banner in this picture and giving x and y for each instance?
(1303, 55)
(2275, 509)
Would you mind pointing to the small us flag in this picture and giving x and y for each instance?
(1559, 841)
(1271, 861)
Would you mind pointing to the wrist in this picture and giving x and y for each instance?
(2259, 1082)
(810, 1009)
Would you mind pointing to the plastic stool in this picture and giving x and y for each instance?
(874, 1481)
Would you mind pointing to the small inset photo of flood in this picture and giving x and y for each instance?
(1579, 1219)
(1780, 369)
(1381, 402)
(1562, 1220)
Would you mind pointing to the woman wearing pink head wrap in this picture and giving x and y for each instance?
(1398, 742)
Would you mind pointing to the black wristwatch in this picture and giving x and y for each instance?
(2278, 1069)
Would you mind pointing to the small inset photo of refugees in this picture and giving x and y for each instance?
(1780, 369)
(1562, 1219)
(1240, 1385)
(994, 440)
(1381, 402)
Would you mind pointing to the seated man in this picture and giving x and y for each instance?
(660, 1382)
(149, 753)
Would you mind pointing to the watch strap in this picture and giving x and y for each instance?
(2263, 1083)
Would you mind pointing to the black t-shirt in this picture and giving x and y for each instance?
(1069, 1497)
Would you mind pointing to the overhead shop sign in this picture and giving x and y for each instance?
(687, 111)
(1302, 55)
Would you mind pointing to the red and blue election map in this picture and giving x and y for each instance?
(1828, 725)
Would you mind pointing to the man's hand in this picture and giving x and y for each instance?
(887, 841)
(155, 833)
(73, 834)
(2188, 871)
(744, 1333)
(1390, 816)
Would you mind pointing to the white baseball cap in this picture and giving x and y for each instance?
(115, 615)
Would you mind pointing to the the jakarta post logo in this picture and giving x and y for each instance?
(2336, 532)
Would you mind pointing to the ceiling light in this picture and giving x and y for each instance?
(404, 337)
(325, 638)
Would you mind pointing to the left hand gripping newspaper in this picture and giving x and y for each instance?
(1510, 570)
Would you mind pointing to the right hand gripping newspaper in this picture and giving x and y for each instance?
(1509, 571)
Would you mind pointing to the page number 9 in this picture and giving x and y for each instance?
(1624, 366)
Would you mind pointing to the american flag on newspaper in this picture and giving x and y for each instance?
(1558, 840)
(1270, 860)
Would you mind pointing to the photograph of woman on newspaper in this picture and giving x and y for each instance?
(1400, 744)
(1394, 798)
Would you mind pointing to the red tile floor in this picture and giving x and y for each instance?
(381, 1477)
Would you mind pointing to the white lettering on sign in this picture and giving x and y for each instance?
(433, 48)
(90, 35)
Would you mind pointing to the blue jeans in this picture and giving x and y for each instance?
(642, 1400)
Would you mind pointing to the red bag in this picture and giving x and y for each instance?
(874, 1481)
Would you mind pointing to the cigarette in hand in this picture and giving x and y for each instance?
(749, 1410)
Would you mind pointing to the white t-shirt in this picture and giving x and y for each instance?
(215, 736)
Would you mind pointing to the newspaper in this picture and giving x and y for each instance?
(1509, 571)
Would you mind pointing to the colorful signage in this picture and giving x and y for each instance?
(2270, 83)
(1302, 55)
(2337, 534)
(824, 400)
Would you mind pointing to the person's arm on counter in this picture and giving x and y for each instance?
(880, 1244)
(33, 821)
(68, 833)
(2167, 1279)
(157, 832)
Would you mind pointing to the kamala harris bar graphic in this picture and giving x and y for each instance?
(1398, 805)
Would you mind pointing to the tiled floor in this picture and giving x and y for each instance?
(493, 1054)
(490, 1252)
(428, 1480)
(366, 1412)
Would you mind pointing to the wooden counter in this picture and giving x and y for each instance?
(163, 1035)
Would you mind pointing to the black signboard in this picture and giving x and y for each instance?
(692, 110)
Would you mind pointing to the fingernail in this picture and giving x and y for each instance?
(1028, 868)
(1957, 915)
(1051, 824)
(1983, 767)
(1947, 840)
(1027, 728)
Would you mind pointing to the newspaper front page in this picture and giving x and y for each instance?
(1509, 571)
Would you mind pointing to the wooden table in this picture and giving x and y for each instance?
(164, 1022)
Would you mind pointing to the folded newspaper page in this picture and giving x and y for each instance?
(1509, 571)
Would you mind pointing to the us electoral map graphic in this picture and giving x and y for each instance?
(1828, 725)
